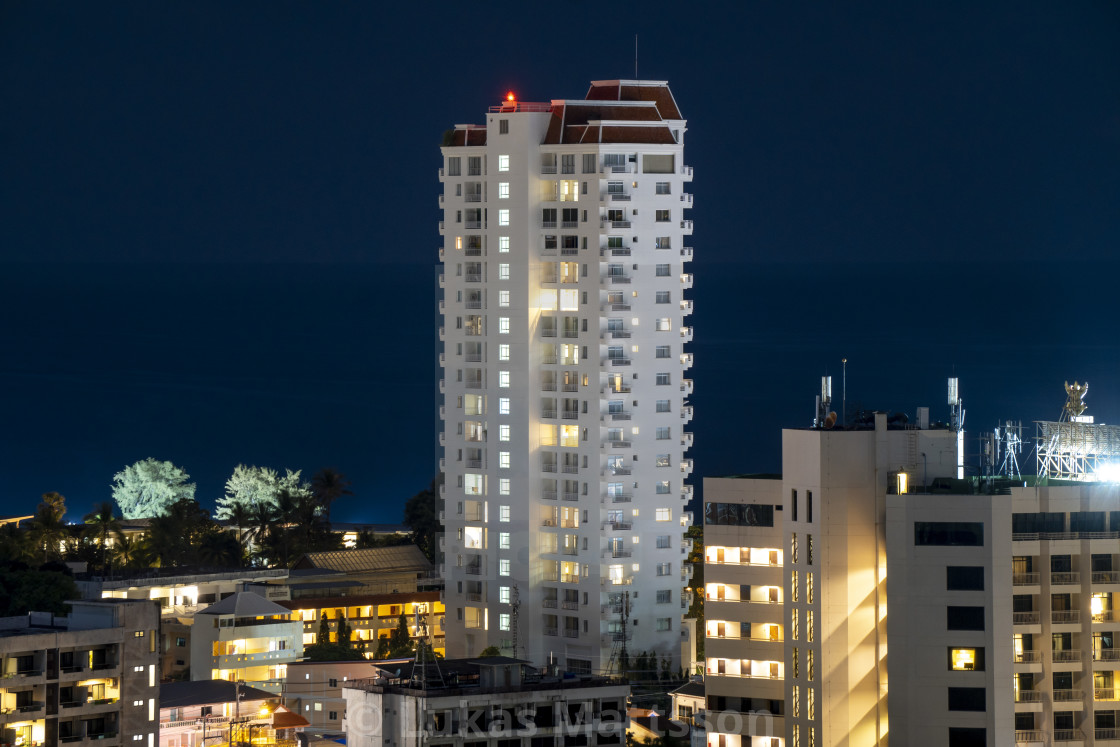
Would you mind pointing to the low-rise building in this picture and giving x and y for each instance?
(90, 675)
(372, 616)
(245, 637)
(211, 712)
(314, 688)
(373, 570)
(486, 702)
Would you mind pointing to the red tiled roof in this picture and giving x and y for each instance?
(659, 135)
(473, 136)
(626, 90)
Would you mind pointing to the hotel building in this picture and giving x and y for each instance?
(564, 377)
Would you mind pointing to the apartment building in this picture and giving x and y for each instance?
(245, 637)
(314, 688)
(373, 616)
(564, 362)
(92, 675)
(489, 702)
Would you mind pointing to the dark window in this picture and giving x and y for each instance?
(809, 505)
(333, 682)
(503, 129)
(964, 578)
(1063, 720)
(1038, 522)
(1114, 521)
(967, 699)
(1086, 521)
(964, 618)
(738, 514)
(1061, 564)
(793, 503)
(1024, 721)
(959, 736)
(951, 533)
(333, 715)
(1022, 603)
(1101, 562)
(1063, 681)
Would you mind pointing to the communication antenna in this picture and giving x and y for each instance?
(635, 56)
(515, 605)
(956, 413)
(844, 394)
(420, 621)
(823, 401)
(1009, 439)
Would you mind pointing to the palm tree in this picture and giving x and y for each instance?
(103, 523)
(240, 516)
(48, 528)
(263, 517)
(328, 485)
(15, 544)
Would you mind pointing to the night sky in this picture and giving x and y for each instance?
(142, 137)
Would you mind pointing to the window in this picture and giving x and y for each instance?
(662, 188)
(503, 244)
(662, 460)
(503, 460)
(662, 405)
(503, 541)
(739, 514)
(503, 217)
(964, 618)
(503, 405)
(503, 486)
(503, 126)
(503, 193)
(662, 433)
(454, 166)
(663, 541)
(503, 567)
(569, 190)
(966, 659)
(503, 271)
(662, 487)
(960, 736)
(664, 596)
(967, 699)
(663, 297)
(503, 432)
(661, 216)
(503, 352)
(664, 569)
(503, 325)
(663, 514)
(474, 165)
(949, 533)
(548, 217)
(503, 163)
(661, 271)
(503, 621)
(663, 351)
(662, 379)
(569, 299)
(664, 623)
(964, 578)
(589, 163)
(503, 298)
(568, 163)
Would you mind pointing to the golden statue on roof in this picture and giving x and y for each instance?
(1076, 393)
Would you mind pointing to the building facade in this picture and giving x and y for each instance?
(93, 675)
(245, 638)
(371, 617)
(564, 365)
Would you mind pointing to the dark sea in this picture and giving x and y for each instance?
(306, 366)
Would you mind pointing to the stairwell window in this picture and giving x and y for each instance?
(504, 567)
(503, 244)
(503, 190)
(503, 163)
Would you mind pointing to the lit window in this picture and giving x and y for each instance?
(459, 243)
(503, 567)
(569, 299)
(503, 217)
(503, 486)
(503, 271)
(503, 513)
(664, 569)
(548, 434)
(503, 244)
(503, 190)
(503, 379)
(503, 432)
(503, 405)
(663, 324)
(548, 299)
(503, 621)
(503, 352)
(503, 541)
(503, 298)
(663, 514)
(503, 325)
(569, 190)
(503, 163)
(503, 460)
(569, 435)
(662, 460)
(966, 659)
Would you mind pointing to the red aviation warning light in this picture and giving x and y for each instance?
(510, 97)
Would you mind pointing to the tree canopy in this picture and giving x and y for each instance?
(420, 517)
(254, 487)
(149, 486)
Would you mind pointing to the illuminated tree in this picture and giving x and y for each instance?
(254, 487)
(148, 487)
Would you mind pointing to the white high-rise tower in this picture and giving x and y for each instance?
(564, 363)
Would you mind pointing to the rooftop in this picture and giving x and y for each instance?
(206, 692)
(400, 558)
(245, 604)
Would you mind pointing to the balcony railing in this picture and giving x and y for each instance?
(1068, 735)
(1028, 735)
(1029, 696)
(1065, 578)
(1104, 616)
(571, 496)
(550, 631)
(1028, 657)
(1024, 579)
(1065, 617)
(473, 570)
(1071, 655)
(1025, 618)
(549, 604)
(1110, 733)
(570, 387)
(1106, 693)
(1067, 696)
(1106, 654)
(570, 633)
(620, 498)
(1106, 577)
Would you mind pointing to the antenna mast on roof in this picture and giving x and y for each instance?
(635, 56)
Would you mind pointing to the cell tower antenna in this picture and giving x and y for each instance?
(844, 394)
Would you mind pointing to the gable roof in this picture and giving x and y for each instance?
(245, 604)
(396, 559)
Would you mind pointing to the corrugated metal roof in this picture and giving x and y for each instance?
(244, 604)
(399, 558)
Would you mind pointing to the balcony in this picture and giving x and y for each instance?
(442, 387)
(686, 254)
(571, 633)
(442, 280)
(616, 252)
(569, 415)
(1106, 654)
(1025, 618)
(1067, 696)
(686, 172)
(620, 223)
(620, 498)
(1029, 696)
(618, 444)
(1105, 616)
(551, 631)
(687, 386)
(620, 361)
(686, 280)
(1065, 578)
(570, 496)
(1106, 733)
(687, 360)
(619, 279)
(1027, 657)
(621, 415)
(686, 334)
(620, 526)
(619, 197)
(548, 495)
(687, 439)
(1066, 656)
(473, 569)
(1106, 577)
(1026, 736)
(1065, 617)
(686, 198)
(686, 307)
(472, 224)
(686, 226)
(1024, 579)
(619, 334)
(1109, 694)
(569, 605)
(549, 604)
(686, 413)
(686, 467)
(570, 469)
(1068, 735)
